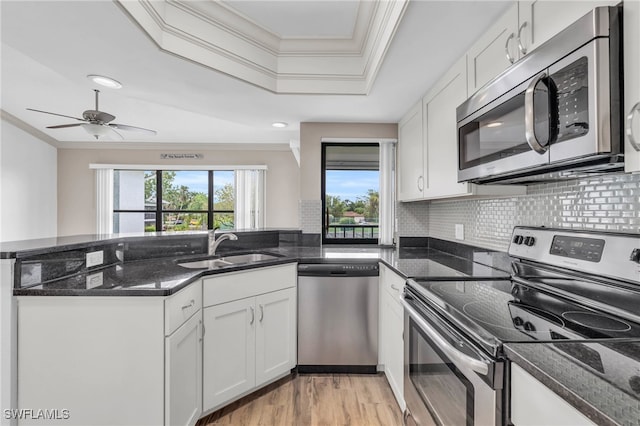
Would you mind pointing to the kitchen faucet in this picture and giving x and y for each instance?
(215, 242)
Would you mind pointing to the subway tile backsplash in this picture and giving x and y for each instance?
(608, 202)
(310, 216)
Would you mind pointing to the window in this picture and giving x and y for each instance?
(173, 200)
(132, 198)
(350, 192)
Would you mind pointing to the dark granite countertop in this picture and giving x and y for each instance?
(601, 380)
(163, 276)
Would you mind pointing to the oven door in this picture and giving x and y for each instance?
(447, 380)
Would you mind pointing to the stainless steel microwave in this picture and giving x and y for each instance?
(554, 114)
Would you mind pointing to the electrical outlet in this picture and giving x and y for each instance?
(95, 258)
(94, 280)
(459, 231)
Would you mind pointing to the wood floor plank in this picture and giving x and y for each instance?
(314, 400)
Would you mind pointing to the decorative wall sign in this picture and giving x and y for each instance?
(171, 156)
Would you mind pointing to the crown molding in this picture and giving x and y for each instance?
(12, 119)
(219, 37)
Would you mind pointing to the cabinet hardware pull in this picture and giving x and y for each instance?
(393, 286)
(253, 315)
(420, 183)
(521, 47)
(261, 312)
(190, 305)
(204, 330)
(629, 131)
(506, 48)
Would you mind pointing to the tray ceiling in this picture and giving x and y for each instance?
(335, 58)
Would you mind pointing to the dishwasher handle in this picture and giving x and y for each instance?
(355, 269)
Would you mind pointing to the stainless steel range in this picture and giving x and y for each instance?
(565, 287)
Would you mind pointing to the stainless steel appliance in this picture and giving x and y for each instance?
(554, 114)
(338, 317)
(566, 286)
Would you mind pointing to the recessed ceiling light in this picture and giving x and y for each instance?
(104, 81)
(280, 124)
(495, 124)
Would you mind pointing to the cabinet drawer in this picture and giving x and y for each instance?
(238, 285)
(393, 284)
(181, 306)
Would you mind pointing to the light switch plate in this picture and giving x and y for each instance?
(95, 258)
(459, 231)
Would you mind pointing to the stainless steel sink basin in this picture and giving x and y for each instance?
(239, 259)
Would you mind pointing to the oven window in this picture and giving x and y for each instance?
(446, 392)
(500, 133)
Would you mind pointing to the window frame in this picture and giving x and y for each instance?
(159, 211)
(323, 195)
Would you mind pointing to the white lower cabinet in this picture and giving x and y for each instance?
(391, 329)
(249, 332)
(111, 360)
(229, 351)
(183, 373)
(534, 404)
(275, 334)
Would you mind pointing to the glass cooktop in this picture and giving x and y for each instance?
(497, 312)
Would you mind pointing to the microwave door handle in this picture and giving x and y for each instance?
(476, 365)
(529, 115)
(629, 129)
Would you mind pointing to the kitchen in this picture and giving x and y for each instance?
(61, 174)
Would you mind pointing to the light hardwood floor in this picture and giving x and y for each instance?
(314, 400)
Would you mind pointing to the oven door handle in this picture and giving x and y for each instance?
(480, 367)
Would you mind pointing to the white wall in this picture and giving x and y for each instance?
(28, 185)
(77, 197)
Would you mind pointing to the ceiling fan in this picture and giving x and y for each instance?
(97, 123)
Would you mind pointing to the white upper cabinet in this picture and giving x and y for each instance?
(439, 108)
(632, 85)
(428, 156)
(523, 27)
(411, 180)
(539, 20)
(494, 51)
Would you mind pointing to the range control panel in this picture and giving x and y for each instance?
(615, 255)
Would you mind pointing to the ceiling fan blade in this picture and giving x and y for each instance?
(119, 135)
(60, 115)
(132, 128)
(62, 126)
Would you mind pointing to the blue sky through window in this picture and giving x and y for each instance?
(196, 180)
(351, 184)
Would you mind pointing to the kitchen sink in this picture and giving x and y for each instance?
(232, 260)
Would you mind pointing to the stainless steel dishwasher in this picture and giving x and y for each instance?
(338, 317)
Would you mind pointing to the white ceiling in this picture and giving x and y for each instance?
(48, 48)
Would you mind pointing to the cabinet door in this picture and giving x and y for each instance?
(229, 351)
(632, 84)
(275, 334)
(183, 373)
(394, 368)
(391, 328)
(541, 19)
(488, 56)
(410, 155)
(441, 133)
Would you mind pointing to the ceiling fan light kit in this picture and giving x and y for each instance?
(97, 123)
